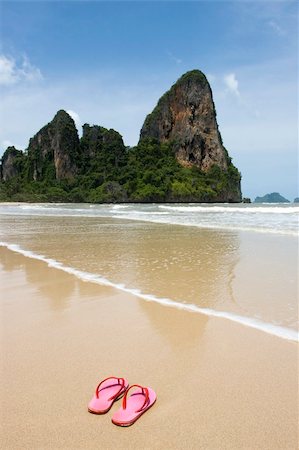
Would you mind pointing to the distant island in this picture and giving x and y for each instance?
(274, 197)
(180, 157)
(296, 200)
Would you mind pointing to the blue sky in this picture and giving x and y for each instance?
(109, 62)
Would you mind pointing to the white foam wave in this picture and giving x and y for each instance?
(278, 331)
(30, 207)
(143, 213)
(234, 209)
(169, 220)
(281, 220)
(207, 208)
(120, 206)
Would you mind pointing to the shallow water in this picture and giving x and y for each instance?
(208, 264)
(264, 218)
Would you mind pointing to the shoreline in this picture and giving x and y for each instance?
(273, 330)
(171, 214)
(219, 384)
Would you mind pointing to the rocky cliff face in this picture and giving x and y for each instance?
(100, 146)
(179, 135)
(96, 139)
(12, 163)
(54, 149)
(186, 117)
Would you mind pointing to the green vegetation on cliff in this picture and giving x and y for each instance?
(180, 157)
(148, 172)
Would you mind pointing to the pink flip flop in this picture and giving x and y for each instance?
(107, 392)
(134, 406)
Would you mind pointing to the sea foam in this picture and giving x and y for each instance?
(274, 330)
(228, 209)
(272, 219)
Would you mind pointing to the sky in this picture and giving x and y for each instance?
(108, 63)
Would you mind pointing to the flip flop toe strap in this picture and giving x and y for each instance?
(144, 391)
(120, 381)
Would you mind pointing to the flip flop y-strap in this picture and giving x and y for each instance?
(120, 381)
(144, 391)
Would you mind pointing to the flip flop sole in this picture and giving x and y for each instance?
(128, 424)
(99, 412)
(104, 411)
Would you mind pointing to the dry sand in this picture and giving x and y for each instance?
(220, 385)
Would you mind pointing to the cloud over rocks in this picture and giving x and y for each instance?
(232, 84)
(76, 118)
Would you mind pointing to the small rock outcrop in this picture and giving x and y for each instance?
(186, 117)
(274, 197)
(54, 150)
(12, 163)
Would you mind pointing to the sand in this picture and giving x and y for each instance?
(220, 385)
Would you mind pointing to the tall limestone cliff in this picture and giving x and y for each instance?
(53, 151)
(186, 117)
(180, 157)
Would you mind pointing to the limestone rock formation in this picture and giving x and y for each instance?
(186, 117)
(274, 197)
(12, 163)
(53, 151)
(180, 157)
(96, 138)
(100, 146)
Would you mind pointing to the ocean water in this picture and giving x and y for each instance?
(264, 218)
(236, 262)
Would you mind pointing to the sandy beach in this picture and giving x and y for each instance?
(220, 385)
(149, 213)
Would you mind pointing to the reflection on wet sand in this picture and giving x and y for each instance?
(182, 330)
(41, 277)
(248, 274)
(181, 263)
(186, 265)
(9, 260)
(89, 290)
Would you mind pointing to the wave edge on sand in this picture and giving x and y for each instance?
(274, 330)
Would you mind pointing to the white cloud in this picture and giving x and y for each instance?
(75, 116)
(232, 84)
(7, 70)
(29, 72)
(174, 58)
(12, 72)
(278, 30)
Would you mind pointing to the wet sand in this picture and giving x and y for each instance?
(220, 385)
(206, 268)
